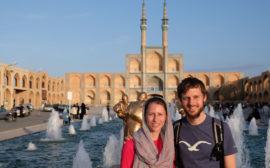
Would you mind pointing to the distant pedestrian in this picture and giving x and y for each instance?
(83, 111)
(108, 109)
(78, 110)
(74, 111)
(21, 110)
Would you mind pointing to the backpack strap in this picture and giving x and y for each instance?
(218, 134)
(176, 129)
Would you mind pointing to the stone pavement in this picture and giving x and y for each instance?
(34, 123)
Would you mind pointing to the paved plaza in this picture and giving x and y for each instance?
(34, 123)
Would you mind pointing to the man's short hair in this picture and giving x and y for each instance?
(189, 83)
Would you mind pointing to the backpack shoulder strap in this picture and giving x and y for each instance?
(218, 130)
(176, 129)
(218, 134)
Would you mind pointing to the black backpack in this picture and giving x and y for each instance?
(218, 134)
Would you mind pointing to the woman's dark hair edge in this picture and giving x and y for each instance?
(157, 100)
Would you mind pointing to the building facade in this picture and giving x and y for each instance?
(153, 71)
(20, 85)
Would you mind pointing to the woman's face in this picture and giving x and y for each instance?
(155, 117)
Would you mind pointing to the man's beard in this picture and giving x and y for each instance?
(195, 115)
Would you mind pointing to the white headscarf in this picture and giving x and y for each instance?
(146, 153)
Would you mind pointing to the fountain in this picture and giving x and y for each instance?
(53, 132)
(100, 121)
(112, 153)
(253, 128)
(175, 115)
(106, 136)
(72, 130)
(237, 125)
(85, 125)
(93, 121)
(211, 111)
(59, 153)
(104, 115)
(82, 159)
(31, 147)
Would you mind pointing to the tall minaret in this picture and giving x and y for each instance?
(164, 27)
(143, 45)
(143, 27)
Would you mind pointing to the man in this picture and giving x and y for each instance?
(195, 143)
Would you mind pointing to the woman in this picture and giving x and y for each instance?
(152, 145)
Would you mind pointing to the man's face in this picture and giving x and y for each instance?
(193, 102)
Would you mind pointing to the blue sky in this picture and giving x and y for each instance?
(59, 36)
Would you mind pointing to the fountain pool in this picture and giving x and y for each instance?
(14, 153)
(56, 154)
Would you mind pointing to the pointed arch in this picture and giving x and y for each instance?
(31, 82)
(255, 86)
(173, 65)
(90, 81)
(135, 65)
(90, 97)
(105, 81)
(153, 62)
(134, 81)
(105, 97)
(218, 80)
(205, 79)
(119, 82)
(154, 84)
(24, 82)
(8, 78)
(173, 81)
(16, 81)
(233, 77)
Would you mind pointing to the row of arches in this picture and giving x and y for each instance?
(262, 97)
(105, 81)
(11, 98)
(32, 82)
(218, 79)
(256, 85)
(135, 81)
(105, 96)
(35, 98)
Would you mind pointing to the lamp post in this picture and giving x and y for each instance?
(5, 82)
